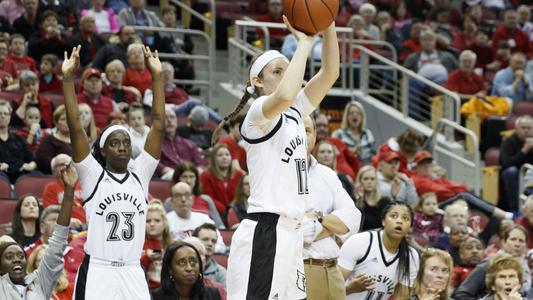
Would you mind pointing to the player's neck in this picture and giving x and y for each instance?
(391, 245)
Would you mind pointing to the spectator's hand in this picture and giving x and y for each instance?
(168, 173)
(519, 75)
(154, 255)
(25, 167)
(52, 32)
(403, 177)
(28, 98)
(3, 166)
(528, 145)
(70, 64)
(122, 106)
(361, 283)
(133, 90)
(513, 295)
(481, 94)
(34, 128)
(439, 171)
(152, 62)
(300, 36)
(69, 175)
(359, 190)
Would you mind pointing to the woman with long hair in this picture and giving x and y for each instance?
(25, 224)
(238, 207)
(434, 276)
(266, 253)
(379, 264)
(368, 198)
(181, 275)
(87, 121)
(115, 191)
(326, 154)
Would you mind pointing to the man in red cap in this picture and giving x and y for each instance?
(101, 105)
(425, 183)
(393, 184)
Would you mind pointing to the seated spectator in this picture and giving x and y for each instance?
(16, 158)
(48, 39)
(25, 229)
(450, 241)
(274, 15)
(439, 20)
(466, 37)
(7, 67)
(32, 132)
(137, 75)
(207, 233)
(182, 285)
(65, 17)
(400, 15)
(101, 105)
(220, 180)
(49, 81)
(87, 122)
(392, 183)
(29, 85)
(86, 37)
(175, 149)
(368, 12)
(354, 133)
(347, 162)
(157, 239)
(434, 274)
(527, 220)
(512, 82)
(175, 42)
(504, 278)
(388, 32)
(359, 32)
(427, 219)
(27, 23)
(515, 151)
(325, 154)
(483, 51)
(105, 18)
(114, 89)
(471, 253)
(16, 55)
(510, 31)
(238, 208)
(112, 51)
(496, 241)
(173, 93)
(425, 182)
(464, 81)
(56, 143)
(196, 129)
(137, 15)
(412, 44)
(406, 145)
(502, 57)
(524, 20)
(290, 42)
(138, 129)
(11, 9)
(233, 140)
(368, 199)
(54, 191)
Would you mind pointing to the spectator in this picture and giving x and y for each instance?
(116, 118)
(483, 50)
(175, 42)
(510, 31)
(181, 275)
(137, 75)
(16, 158)
(466, 37)
(32, 132)
(65, 17)
(112, 51)
(354, 133)
(428, 220)
(290, 42)
(233, 140)
(87, 122)
(440, 22)
(48, 79)
(238, 208)
(368, 198)
(220, 180)
(325, 154)
(173, 94)
(456, 236)
(406, 145)
(48, 39)
(207, 233)
(27, 23)
(54, 192)
(392, 183)
(503, 278)
(56, 143)
(101, 105)
(137, 15)
(175, 148)
(464, 81)
(359, 32)
(196, 129)
(368, 12)
(388, 32)
(496, 241)
(138, 129)
(105, 18)
(400, 15)
(433, 278)
(412, 45)
(86, 37)
(527, 220)
(11, 9)
(524, 20)
(16, 54)
(274, 15)
(513, 82)
(29, 85)
(471, 253)
(25, 229)
(7, 67)
(515, 151)
(121, 94)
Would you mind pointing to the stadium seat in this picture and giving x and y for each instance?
(55, 98)
(5, 188)
(159, 189)
(7, 207)
(221, 259)
(32, 185)
(227, 235)
(10, 96)
(521, 108)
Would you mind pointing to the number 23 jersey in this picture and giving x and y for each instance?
(116, 207)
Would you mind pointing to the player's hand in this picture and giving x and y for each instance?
(513, 295)
(152, 62)
(300, 36)
(361, 283)
(311, 228)
(69, 175)
(70, 64)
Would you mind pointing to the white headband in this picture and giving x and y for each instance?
(260, 64)
(110, 130)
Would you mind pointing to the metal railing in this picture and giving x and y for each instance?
(211, 22)
(209, 58)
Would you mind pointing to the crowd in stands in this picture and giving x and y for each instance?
(474, 48)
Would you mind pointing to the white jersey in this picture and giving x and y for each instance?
(277, 158)
(365, 253)
(115, 206)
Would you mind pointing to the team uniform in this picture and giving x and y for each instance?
(115, 206)
(266, 260)
(365, 253)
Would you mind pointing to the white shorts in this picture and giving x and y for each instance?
(265, 260)
(99, 279)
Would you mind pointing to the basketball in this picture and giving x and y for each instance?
(310, 16)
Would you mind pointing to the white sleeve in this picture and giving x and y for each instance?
(302, 104)
(144, 167)
(89, 171)
(414, 264)
(255, 124)
(353, 250)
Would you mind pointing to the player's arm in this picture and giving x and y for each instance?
(157, 131)
(291, 83)
(78, 137)
(69, 177)
(317, 88)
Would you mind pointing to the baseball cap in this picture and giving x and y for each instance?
(390, 155)
(422, 155)
(91, 72)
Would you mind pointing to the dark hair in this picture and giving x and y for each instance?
(207, 226)
(513, 227)
(182, 168)
(167, 283)
(51, 58)
(239, 194)
(48, 13)
(16, 224)
(404, 252)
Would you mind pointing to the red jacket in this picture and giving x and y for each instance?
(221, 191)
(525, 222)
(347, 162)
(142, 80)
(458, 82)
(22, 63)
(153, 279)
(56, 85)
(237, 152)
(443, 187)
(53, 194)
(176, 96)
(101, 109)
(521, 39)
(44, 106)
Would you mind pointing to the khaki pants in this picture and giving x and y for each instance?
(324, 283)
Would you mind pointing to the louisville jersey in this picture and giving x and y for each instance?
(277, 158)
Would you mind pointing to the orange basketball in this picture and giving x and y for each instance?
(310, 16)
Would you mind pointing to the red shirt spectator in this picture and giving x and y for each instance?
(411, 45)
(53, 194)
(524, 221)
(25, 132)
(237, 152)
(22, 63)
(175, 95)
(50, 83)
(200, 205)
(8, 66)
(347, 162)
(459, 275)
(464, 84)
(45, 107)
(102, 107)
(140, 79)
(147, 264)
(119, 95)
(392, 146)
(274, 15)
(221, 191)
(509, 31)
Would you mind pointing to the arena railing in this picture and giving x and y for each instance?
(521, 184)
(209, 21)
(209, 58)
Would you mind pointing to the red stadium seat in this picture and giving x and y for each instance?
(32, 185)
(523, 108)
(221, 259)
(5, 188)
(492, 157)
(10, 96)
(227, 235)
(7, 207)
(56, 99)
(159, 189)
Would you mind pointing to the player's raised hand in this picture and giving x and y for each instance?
(152, 62)
(298, 34)
(70, 64)
(69, 175)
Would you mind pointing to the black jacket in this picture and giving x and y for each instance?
(511, 154)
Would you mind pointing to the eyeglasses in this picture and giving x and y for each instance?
(182, 263)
